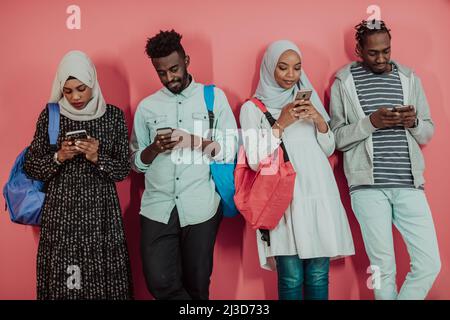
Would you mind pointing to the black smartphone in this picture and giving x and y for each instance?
(400, 108)
(76, 135)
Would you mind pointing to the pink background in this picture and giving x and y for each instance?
(226, 40)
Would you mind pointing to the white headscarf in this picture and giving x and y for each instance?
(270, 92)
(78, 65)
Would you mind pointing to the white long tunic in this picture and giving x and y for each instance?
(315, 223)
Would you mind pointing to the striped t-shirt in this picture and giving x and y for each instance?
(391, 162)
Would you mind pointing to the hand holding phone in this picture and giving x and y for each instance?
(385, 117)
(164, 141)
(67, 151)
(408, 115)
(89, 147)
(68, 148)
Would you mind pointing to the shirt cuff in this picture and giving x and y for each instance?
(138, 162)
(367, 125)
(417, 128)
(101, 162)
(324, 135)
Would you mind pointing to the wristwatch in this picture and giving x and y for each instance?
(55, 158)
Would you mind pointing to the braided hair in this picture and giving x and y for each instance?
(367, 28)
(163, 44)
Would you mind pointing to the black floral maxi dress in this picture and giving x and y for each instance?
(82, 250)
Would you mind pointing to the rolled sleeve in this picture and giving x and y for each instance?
(326, 141)
(138, 164)
(139, 141)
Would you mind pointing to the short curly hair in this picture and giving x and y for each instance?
(366, 28)
(163, 44)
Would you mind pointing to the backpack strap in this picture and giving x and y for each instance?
(261, 106)
(264, 110)
(271, 120)
(208, 93)
(53, 125)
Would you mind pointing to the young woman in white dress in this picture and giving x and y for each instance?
(314, 228)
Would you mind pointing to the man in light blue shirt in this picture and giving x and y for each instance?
(171, 143)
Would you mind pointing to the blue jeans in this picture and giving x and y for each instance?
(302, 276)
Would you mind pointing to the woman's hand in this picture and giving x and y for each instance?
(67, 151)
(289, 114)
(309, 112)
(89, 147)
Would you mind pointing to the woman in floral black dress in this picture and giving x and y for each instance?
(82, 248)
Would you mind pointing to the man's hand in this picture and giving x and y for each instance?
(408, 117)
(385, 118)
(163, 143)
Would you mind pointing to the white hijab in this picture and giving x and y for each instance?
(268, 90)
(78, 65)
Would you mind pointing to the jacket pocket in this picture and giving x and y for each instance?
(357, 159)
(417, 160)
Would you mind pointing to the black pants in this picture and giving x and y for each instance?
(177, 261)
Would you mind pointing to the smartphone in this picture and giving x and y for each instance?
(400, 108)
(303, 94)
(76, 135)
(163, 131)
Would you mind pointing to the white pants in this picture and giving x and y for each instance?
(376, 211)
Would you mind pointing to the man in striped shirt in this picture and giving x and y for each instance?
(380, 116)
(391, 163)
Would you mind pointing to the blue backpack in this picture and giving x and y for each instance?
(222, 173)
(24, 197)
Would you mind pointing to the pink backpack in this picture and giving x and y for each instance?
(263, 196)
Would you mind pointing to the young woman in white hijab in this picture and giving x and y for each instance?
(82, 250)
(314, 228)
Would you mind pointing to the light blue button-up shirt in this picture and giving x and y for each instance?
(181, 177)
